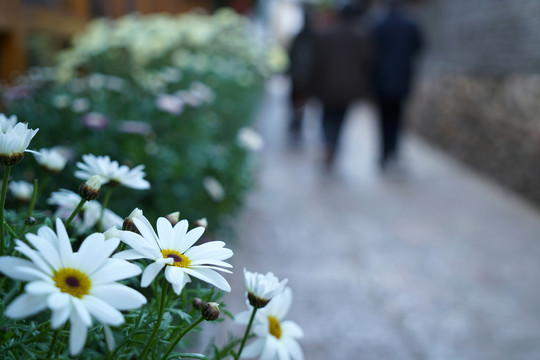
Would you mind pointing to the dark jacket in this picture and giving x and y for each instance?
(340, 65)
(397, 40)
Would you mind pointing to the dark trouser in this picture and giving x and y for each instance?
(332, 123)
(390, 122)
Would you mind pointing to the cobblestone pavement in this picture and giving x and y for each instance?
(441, 264)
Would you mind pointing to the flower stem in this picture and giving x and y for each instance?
(7, 170)
(75, 212)
(246, 333)
(180, 336)
(53, 343)
(160, 317)
(32, 203)
(104, 205)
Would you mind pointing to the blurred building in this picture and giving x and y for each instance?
(32, 31)
(479, 87)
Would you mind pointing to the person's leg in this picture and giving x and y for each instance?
(333, 118)
(390, 129)
(394, 131)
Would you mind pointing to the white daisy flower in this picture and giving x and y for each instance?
(80, 105)
(170, 103)
(75, 286)
(51, 160)
(214, 188)
(67, 201)
(262, 288)
(21, 190)
(249, 139)
(172, 248)
(276, 337)
(14, 139)
(111, 172)
(7, 122)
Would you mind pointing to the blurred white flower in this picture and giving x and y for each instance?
(262, 288)
(61, 101)
(14, 139)
(7, 122)
(172, 248)
(214, 188)
(134, 127)
(21, 190)
(111, 172)
(249, 139)
(170, 103)
(74, 285)
(96, 81)
(276, 338)
(67, 201)
(80, 105)
(114, 83)
(51, 160)
(95, 120)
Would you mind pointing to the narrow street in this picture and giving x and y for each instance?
(440, 264)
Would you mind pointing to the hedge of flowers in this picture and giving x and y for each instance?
(71, 286)
(175, 93)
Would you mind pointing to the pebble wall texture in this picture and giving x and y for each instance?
(478, 91)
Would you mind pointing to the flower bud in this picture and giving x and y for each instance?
(198, 303)
(173, 217)
(202, 222)
(11, 159)
(256, 301)
(89, 190)
(210, 311)
(128, 224)
(30, 220)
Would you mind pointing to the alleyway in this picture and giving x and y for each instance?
(439, 265)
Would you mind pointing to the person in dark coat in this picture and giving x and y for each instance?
(340, 74)
(299, 68)
(397, 40)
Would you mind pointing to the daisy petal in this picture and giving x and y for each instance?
(109, 338)
(102, 311)
(10, 266)
(93, 252)
(175, 276)
(269, 351)
(64, 245)
(191, 238)
(114, 270)
(293, 348)
(25, 305)
(253, 349)
(40, 288)
(58, 301)
(165, 233)
(81, 311)
(290, 329)
(60, 316)
(150, 273)
(77, 334)
(119, 296)
(210, 276)
(130, 254)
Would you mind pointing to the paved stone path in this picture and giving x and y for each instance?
(440, 265)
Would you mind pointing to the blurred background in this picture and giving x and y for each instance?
(436, 259)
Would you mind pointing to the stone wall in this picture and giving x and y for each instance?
(478, 89)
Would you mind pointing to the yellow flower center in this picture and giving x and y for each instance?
(72, 281)
(274, 327)
(180, 260)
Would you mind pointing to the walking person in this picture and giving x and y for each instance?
(397, 40)
(340, 74)
(300, 56)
